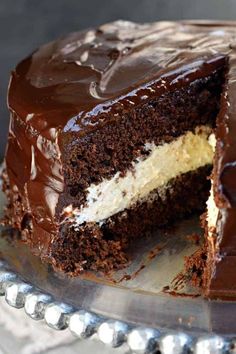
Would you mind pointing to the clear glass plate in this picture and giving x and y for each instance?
(138, 298)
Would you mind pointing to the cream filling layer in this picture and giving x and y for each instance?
(164, 162)
(212, 213)
(212, 209)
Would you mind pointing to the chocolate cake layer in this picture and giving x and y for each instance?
(103, 153)
(84, 107)
(105, 248)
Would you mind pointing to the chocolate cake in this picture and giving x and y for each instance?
(114, 131)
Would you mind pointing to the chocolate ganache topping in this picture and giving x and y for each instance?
(85, 80)
(73, 80)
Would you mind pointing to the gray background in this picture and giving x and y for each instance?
(25, 24)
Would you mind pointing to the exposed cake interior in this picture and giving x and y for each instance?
(148, 169)
(212, 210)
(162, 164)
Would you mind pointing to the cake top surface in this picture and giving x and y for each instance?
(67, 83)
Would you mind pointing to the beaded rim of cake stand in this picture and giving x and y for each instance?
(83, 324)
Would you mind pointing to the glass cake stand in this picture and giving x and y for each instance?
(146, 307)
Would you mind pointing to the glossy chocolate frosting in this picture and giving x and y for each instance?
(66, 84)
(81, 82)
(223, 282)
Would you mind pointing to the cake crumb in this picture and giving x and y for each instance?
(194, 238)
